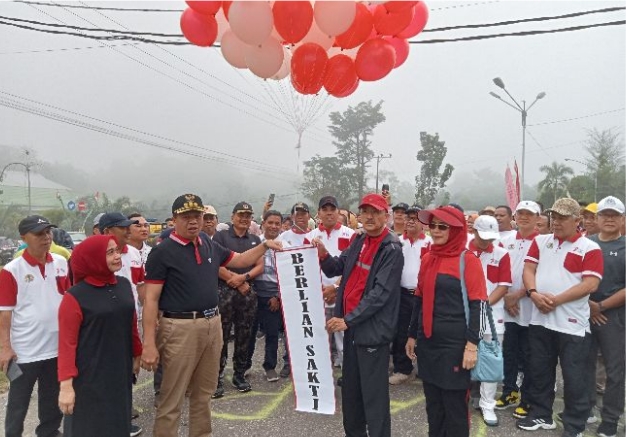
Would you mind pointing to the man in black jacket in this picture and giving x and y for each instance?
(367, 310)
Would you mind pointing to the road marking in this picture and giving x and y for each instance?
(262, 414)
(398, 406)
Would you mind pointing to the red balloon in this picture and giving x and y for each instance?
(418, 23)
(226, 5)
(391, 23)
(348, 92)
(359, 30)
(309, 63)
(340, 75)
(398, 6)
(292, 19)
(401, 47)
(375, 59)
(205, 7)
(199, 29)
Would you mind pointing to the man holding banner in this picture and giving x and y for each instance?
(367, 311)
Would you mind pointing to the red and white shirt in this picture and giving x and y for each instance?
(497, 271)
(562, 265)
(517, 247)
(133, 270)
(294, 238)
(33, 292)
(413, 250)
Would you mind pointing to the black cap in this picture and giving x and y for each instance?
(413, 209)
(34, 223)
(186, 203)
(242, 207)
(300, 205)
(456, 206)
(328, 200)
(114, 219)
(401, 205)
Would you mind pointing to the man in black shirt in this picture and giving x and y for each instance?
(182, 298)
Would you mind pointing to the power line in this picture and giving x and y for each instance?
(99, 8)
(577, 118)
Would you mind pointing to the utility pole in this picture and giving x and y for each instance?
(379, 158)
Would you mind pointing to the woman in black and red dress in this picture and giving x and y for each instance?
(439, 337)
(99, 345)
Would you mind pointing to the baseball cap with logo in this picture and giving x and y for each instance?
(34, 223)
(612, 203)
(377, 201)
(528, 205)
(243, 207)
(328, 200)
(566, 207)
(300, 206)
(208, 209)
(186, 203)
(487, 227)
(591, 207)
(413, 209)
(114, 219)
(401, 205)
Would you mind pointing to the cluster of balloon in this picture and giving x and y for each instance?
(330, 44)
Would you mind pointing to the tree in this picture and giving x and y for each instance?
(327, 175)
(556, 180)
(581, 188)
(431, 180)
(606, 161)
(352, 130)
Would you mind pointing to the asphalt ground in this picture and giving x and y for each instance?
(268, 410)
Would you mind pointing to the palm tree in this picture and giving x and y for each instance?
(556, 178)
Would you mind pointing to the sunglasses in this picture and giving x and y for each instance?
(440, 226)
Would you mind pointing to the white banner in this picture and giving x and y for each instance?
(298, 271)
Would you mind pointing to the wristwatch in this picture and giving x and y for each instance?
(531, 290)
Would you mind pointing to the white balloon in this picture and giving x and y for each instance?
(233, 50)
(335, 17)
(266, 59)
(223, 24)
(318, 36)
(251, 21)
(286, 68)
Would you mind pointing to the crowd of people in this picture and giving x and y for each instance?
(406, 289)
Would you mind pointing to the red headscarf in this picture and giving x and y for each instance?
(89, 261)
(431, 262)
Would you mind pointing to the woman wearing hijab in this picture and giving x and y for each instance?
(99, 346)
(439, 337)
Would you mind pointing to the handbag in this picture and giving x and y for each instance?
(489, 367)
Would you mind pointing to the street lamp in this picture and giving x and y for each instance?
(524, 110)
(379, 158)
(27, 167)
(596, 175)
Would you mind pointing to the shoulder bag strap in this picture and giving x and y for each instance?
(462, 281)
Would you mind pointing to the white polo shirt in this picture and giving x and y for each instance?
(133, 270)
(497, 271)
(562, 265)
(413, 250)
(33, 292)
(294, 239)
(335, 242)
(517, 247)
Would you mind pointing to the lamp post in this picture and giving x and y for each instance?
(27, 167)
(379, 158)
(524, 110)
(596, 175)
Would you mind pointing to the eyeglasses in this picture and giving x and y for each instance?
(440, 226)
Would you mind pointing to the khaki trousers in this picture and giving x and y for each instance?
(190, 355)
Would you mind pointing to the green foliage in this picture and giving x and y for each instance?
(606, 159)
(352, 131)
(431, 180)
(324, 175)
(555, 182)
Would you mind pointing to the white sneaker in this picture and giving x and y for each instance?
(489, 417)
(592, 419)
(398, 378)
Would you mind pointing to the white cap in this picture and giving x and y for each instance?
(97, 219)
(529, 205)
(612, 203)
(487, 227)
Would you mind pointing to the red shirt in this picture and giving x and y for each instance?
(356, 283)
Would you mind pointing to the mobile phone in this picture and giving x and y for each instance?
(271, 198)
(13, 371)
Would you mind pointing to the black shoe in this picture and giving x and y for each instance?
(286, 371)
(531, 424)
(607, 429)
(240, 383)
(219, 390)
(136, 430)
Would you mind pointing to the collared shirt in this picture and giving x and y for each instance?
(230, 240)
(132, 269)
(294, 238)
(188, 271)
(413, 250)
(33, 292)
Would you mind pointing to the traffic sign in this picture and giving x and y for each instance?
(71, 205)
(81, 206)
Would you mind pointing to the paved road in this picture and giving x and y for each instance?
(268, 410)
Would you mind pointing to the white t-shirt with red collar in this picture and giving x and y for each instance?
(413, 250)
(294, 238)
(33, 292)
(133, 270)
(497, 270)
(518, 247)
(562, 265)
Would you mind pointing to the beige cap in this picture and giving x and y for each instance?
(208, 209)
(566, 206)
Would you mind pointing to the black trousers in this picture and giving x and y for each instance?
(546, 347)
(402, 364)
(271, 322)
(515, 350)
(610, 339)
(365, 389)
(45, 374)
(447, 411)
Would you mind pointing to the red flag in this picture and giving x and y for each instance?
(517, 182)
(510, 190)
